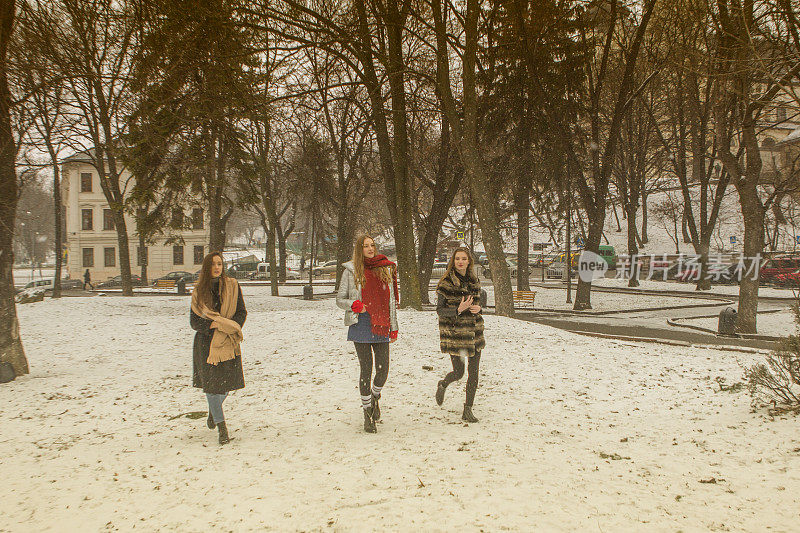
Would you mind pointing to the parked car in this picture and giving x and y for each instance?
(717, 273)
(46, 284)
(116, 281)
(778, 265)
(176, 275)
(512, 267)
(609, 255)
(329, 267)
(262, 272)
(438, 269)
(791, 279)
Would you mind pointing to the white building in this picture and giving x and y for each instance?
(92, 240)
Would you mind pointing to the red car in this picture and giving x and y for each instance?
(778, 265)
(792, 279)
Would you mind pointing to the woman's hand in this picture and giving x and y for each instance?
(465, 304)
(475, 309)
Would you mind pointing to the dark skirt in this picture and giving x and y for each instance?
(215, 379)
(361, 331)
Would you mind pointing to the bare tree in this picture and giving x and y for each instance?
(11, 350)
(466, 136)
(90, 43)
(742, 60)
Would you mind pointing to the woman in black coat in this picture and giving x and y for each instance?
(217, 314)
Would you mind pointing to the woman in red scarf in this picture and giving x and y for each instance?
(368, 294)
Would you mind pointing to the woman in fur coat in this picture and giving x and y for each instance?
(368, 294)
(217, 314)
(460, 325)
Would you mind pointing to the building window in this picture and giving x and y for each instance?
(780, 114)
(141, 256)
(108, 220)
(197, 218)
(177, 255)
(177, 217)
(109, 257)
(198, 255)
(86, 182)
(86, 220)
(88, 257)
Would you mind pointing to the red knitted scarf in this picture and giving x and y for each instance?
(375, 294)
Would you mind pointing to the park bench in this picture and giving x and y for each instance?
(523, 298)
(165, 284)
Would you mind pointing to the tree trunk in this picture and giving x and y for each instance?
(704, 281)
(443, 196)
(10, 343)
(633, 249)
(522, 201)
(466, 136)
(644, 239)
(281, 252)
(753, 215)
(58, 223)
(584, 290)
(687, 238)
(311, 251)
(214, 185)
(271, 258)
(142, 257)
(410, 295)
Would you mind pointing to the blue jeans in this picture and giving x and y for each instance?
(215, 406)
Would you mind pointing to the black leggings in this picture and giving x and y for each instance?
(472, 374)
(365, 351)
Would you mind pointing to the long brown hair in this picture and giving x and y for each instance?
(203, 285)
(384, 273)
(451, 264)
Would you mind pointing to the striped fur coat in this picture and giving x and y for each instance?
(463, 331)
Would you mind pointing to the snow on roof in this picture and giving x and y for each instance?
(791, 138)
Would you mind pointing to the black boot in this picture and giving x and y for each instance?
(376, 409)
(210, 422)
(369, 423)
(468, 416)
(440, 388)
(223, 433)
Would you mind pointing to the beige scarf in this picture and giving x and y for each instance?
(228, 334)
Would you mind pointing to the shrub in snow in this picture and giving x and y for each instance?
(777, 381)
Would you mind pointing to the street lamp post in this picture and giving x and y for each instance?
(568, 256)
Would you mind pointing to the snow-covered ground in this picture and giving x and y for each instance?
(778, 324)
(732, 290)
(556, 298)
(576, 433)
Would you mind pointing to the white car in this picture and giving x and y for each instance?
(438, 269)
(262, 272)
(329, 267)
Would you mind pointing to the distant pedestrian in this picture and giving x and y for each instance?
(87, 280)
(459, 308)
(217, 314)
(368, 294)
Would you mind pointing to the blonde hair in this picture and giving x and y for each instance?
(451, 264)
(384, 273)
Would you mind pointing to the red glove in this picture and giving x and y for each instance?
(393, 335)
(357, 306)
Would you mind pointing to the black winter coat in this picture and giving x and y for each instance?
(227, 375)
